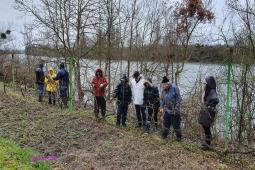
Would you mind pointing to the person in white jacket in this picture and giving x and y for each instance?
(137, 88)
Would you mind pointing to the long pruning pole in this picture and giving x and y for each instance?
(227, 108)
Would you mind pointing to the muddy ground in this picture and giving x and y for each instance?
(80, 142)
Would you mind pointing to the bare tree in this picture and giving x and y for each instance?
(71, 22)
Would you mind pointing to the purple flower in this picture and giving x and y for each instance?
(48, 158)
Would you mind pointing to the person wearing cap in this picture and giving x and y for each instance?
(51, 86)
(123, 94)
(99, 84)
(137, 88)
(63, 77)
(151, 101)
(208, 111)
(170, 107)
(40, 81)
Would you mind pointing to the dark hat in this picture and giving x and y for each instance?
(165, 79)
(124, 78)
(62, 65)
(136, 74)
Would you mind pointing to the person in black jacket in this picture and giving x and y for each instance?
(63, 78)
(40, 81)
(123, 94)
(208, 110)
(151, 101)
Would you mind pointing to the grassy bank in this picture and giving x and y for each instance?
(81, 142)
(13, 157)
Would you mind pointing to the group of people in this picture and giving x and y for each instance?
(52, 82)
(146, 98)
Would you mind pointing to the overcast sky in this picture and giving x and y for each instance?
(10, 18)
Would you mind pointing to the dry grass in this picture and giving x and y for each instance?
(80, 142)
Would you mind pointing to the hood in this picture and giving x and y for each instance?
(211, 82)
(124, 78)
(52, 70)
(148, 81)
(62, 66)
(99, 69)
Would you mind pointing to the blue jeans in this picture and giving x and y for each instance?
(40, 88)
(122, 114)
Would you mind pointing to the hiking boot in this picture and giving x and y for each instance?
(178, 139)
(146, 129)
(40, 98)
(205, 146)
(103, 118)
(163, 136)
(138, 126)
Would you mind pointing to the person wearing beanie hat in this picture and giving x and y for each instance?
(170, 107)
(208, 111)
(40, 81)
(99, 84)
(124, 95)
(165, 80)
(124, 78)
(151, 101)
(63, 77)
(136, 74)
(137, 88)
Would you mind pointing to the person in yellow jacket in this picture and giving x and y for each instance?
(51, 86)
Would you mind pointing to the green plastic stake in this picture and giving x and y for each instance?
(71, 62)
(227, 108)
(13, 73)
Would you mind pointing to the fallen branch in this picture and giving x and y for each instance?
(241, 152)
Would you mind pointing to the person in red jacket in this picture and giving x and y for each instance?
(99, 84)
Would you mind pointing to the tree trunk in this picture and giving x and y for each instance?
(78, 80)
(243, 106)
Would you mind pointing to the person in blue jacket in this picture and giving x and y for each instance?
(170, 107)
(124, 96)
(40, 81)
(63, 78)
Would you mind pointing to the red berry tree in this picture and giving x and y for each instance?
(189, 14)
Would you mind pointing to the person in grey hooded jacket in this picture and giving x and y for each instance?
(208, 110)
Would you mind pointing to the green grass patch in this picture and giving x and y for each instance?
(14, 157)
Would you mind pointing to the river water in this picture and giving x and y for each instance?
(189, 81)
